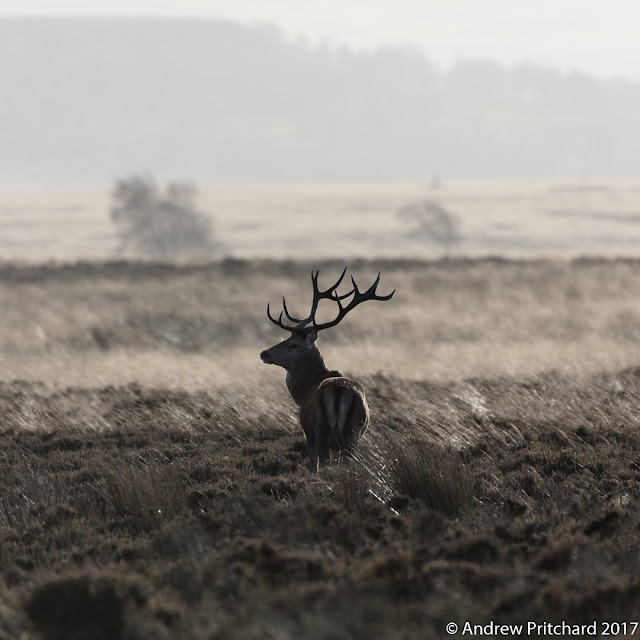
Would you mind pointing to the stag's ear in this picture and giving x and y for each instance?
(311, 336)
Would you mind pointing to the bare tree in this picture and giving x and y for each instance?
(333, 408)
(432, 222)
(159, 224)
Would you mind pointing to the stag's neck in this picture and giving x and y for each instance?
(304, 380)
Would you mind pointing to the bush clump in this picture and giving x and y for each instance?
(160, 224)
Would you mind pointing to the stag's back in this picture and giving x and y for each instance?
(336, 415)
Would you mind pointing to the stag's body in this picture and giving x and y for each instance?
(333, 409)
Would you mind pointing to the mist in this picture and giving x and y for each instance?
(85, 100)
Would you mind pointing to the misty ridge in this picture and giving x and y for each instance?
(85, 100)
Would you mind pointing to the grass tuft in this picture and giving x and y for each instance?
(429, 473)
(143, 496)
(351, 486)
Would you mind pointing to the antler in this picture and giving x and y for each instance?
(328, 294)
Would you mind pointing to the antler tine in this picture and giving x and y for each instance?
(355, 286)
(370, 293)
(278, 321)
(269, 314)
(327, 294)
(337, 284)
(286, 311)
(374, 286)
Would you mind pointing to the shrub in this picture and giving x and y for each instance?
(159, 224)
(87, 606)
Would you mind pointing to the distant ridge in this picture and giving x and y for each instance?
(85, 100)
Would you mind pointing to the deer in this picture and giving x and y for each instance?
(334, 413)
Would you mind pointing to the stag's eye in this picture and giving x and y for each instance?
(293, 345)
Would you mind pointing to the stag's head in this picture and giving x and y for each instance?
(300, 345)
(292, 352)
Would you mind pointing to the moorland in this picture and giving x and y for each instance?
(153, 480)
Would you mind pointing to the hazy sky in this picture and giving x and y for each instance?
(598, 36)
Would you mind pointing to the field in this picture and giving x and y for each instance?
(510, 219)
(154, 481)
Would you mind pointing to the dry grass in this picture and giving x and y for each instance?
(200, 327)
(145, 501)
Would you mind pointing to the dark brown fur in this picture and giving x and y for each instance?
(333, 419)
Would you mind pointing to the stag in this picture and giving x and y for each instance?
(333, 408)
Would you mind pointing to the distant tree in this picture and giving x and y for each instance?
(159, 224)
(433, 222)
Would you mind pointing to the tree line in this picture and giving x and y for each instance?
(219, 102)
